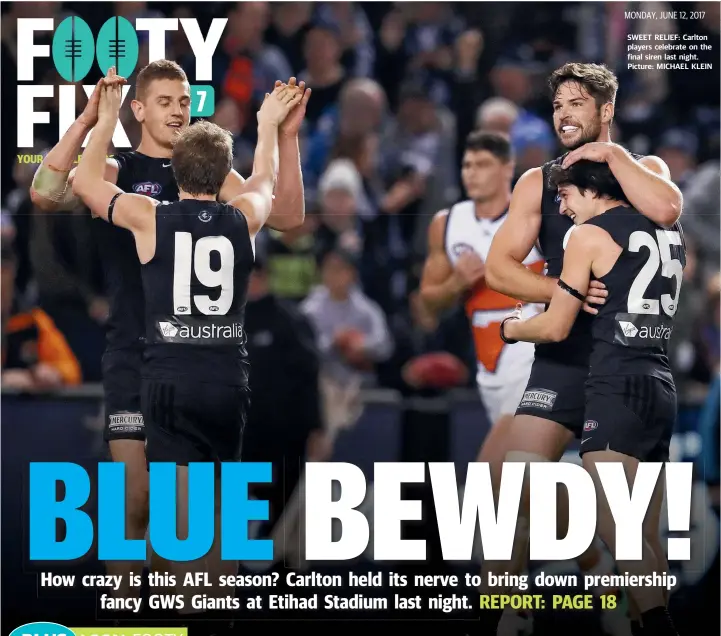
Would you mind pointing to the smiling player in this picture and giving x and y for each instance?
(162, 106)
(630, 396)
(551, 411)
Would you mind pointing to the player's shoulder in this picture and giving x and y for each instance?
(441, 217)
(236, 215)
(616, 225)
(528, 191)
(589, 236)
(531, 177)
(439, 225)
(438, 222)
(124, 158)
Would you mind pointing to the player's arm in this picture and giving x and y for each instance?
(569, 293)
(256, 200)
(441, 286)
(505, 271)
(288, 207)
(646, 183)
(105, 199)
(280, 218)
(51, 189)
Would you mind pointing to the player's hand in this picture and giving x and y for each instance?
(278, 104)
(596, 295)
(292, 123)
(470, 269)
(598, 151)
(110, 98)
(89, 116)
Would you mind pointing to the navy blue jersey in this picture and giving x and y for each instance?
(152, 177)
(632, 329)
(195, 293)
(552, 238)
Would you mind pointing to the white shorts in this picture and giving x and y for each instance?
(501, 392)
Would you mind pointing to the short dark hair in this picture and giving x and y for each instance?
(202, 158)
(588, 175)
(498, 144)
(596, 79)
(158, 70)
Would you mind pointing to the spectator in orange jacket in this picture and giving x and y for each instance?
(35, 355)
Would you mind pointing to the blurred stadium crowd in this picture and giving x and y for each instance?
(397, 87)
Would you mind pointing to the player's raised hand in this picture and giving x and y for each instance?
(596, 295)
(278, 104)
(292, 123)
(89, 116)
(470, 268)
(110, 98)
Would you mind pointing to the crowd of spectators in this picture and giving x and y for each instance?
(396, 89)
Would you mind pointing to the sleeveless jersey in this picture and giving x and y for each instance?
(152, 177)
(632, 330)
(195, 290)
(552, 238)
(484, 307)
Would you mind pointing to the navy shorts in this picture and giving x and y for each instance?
(188, 421)
(634, 415)
(121, 386)
(556, 392)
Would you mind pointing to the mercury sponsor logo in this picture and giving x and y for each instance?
(127, 422)
(539, 398)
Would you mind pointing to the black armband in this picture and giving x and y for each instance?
(503, 335)
(111, 207)
(571, 290)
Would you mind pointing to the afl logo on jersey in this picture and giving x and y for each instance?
(205, 216)
(590, 425)
(148, 188)
(461, 248)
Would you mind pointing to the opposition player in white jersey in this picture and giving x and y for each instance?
(458, 244)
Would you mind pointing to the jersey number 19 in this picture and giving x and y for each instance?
(659, 253)
(186, 263)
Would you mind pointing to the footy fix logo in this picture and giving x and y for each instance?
(74, 50)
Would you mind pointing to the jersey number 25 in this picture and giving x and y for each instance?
(187, 262)
(659, 253)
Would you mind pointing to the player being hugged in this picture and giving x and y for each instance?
(196, 256)
(630, 394)
(551, 411)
